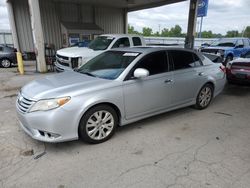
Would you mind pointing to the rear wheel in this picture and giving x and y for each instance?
(204, 97)
(98, 124)
(6, 63)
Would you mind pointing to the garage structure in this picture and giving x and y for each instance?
(35, 23)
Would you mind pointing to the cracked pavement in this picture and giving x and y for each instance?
(186, 148)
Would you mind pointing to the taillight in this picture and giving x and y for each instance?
(228, 68)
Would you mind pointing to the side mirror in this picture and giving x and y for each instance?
(141, 73)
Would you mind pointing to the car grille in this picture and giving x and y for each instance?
(62, 63)
(23, 103)
(62, 57)
(62, 60)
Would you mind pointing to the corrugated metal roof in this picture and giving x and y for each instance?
(81, 26)
(131, 5)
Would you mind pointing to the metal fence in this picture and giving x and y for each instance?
(176, 41)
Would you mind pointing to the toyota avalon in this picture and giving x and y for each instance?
(116, 88)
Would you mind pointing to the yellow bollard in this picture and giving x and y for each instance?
(20, 62)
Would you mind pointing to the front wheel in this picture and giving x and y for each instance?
(6, 63)
(204, 97)
(98, 124)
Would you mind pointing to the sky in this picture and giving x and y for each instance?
(223, 15)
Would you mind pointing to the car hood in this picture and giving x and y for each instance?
(219, 48)
(78, 52)
(69, 83)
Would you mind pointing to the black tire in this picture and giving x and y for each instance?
(5, 63)
(89, 116)
(200, 104)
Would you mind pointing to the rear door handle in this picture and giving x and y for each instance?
(201, 74)
(168, 81)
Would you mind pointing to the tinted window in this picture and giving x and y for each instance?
(100, 43)
(155, 63)
(183, 59)
(246, 43)
(1, 49)
(240, 43)
(122, 42)
(136, 41)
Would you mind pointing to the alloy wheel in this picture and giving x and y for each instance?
(205, 96)
(100, 125)
(5, 63)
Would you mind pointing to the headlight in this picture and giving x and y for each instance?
(49, 104)
(80, 62)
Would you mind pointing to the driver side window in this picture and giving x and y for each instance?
(122, 42)
(240, 44)
(155, 63)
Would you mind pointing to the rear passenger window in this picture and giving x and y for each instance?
(183, 59)
(137, 41)
(155, 63)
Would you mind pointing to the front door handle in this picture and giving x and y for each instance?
(201, 74)
(168, 81)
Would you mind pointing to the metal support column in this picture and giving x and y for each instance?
(189, 41)
(13, 25)
(38, 37)
(125, 20)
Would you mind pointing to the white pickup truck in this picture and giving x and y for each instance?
(74, 57)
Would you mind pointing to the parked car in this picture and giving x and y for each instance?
(116, 88)
(238, 70)
(74, 57)
(7, 56)
(228, 48)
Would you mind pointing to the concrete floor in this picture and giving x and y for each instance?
(184, 148)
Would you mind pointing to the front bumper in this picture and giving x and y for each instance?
(61, 68)
(56, 125)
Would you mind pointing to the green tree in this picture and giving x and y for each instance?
(246, 32)
(175, 31)
(131, 30)
(165, 32)
(232, 33)
(147, 31)
(206, 34)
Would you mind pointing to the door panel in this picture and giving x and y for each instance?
(143, 96)
(186, 84)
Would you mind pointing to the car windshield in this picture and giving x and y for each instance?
(101, 43)
(108, 65)
(224, 42)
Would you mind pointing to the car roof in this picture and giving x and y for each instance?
(121, 35)
(147, 49)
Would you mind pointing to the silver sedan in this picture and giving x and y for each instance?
(116, 88)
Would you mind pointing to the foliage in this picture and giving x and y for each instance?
(233, 33)
(246, 32)
(146, 31)
(176, 31)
